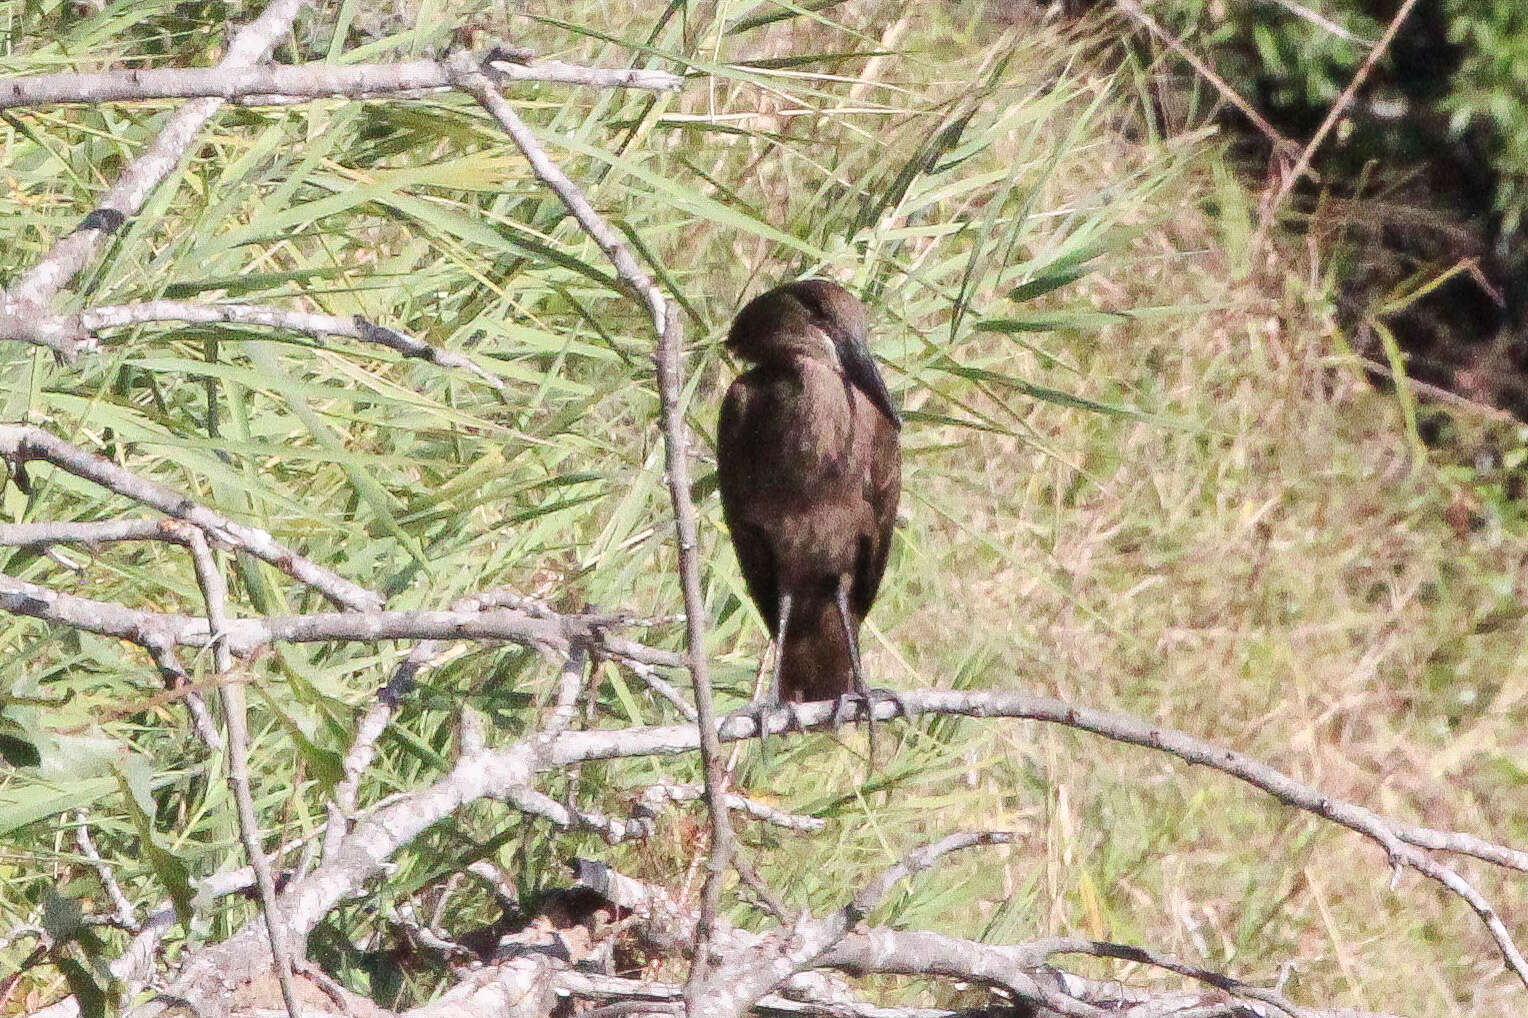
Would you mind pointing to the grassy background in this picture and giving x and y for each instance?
(1139, 475)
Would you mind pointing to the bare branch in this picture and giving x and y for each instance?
(1400, 841)
(503, 889)
(524, 987)
(745, 975)
(570, 682)
(916, 862)
(656, 995)
(658, 684)
(1045, 949)
(494, 773)
(1022, 970)
(246, 636)
(62, 335)
(71, 335)
(315, 80)
(656, 796)
(363, 749)
(1303, 12)
(612, 831)
(405, 915)
(215, 593)
(641, 823)
(667, 925)
(1205, 71)
(36, 535)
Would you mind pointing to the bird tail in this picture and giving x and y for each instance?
(814, 662)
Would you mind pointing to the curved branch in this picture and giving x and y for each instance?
(23, 443)
(676, 452)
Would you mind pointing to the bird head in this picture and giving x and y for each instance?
(811, 318)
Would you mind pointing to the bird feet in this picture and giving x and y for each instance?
(757, 712)
(854, 705)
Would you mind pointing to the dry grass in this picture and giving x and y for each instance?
(1280, 574)
(1275, 570)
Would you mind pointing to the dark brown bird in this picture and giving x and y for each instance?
(810, 469)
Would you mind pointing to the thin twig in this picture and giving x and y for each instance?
(1205, 71)
(1045, 949)
(668, 325)
(1302, 165)
(748, 973)
(157, 631)
(656, 796)
(1442, 395)
(44, 535)
(122, 911)
(71, 335)
(215, 593)
(1322, 22)
(362, 751)
(658, 684)
(499, 885)
(426, 934)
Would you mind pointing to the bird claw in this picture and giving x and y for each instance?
(757, 712)
(864, 704)
(889, 695)
(846, 707)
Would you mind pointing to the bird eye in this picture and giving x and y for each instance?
(814, 307)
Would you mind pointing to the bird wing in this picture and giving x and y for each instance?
(754, 556)
(883, 488)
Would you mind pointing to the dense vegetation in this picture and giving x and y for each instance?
(1450, 92)
(1141, 474)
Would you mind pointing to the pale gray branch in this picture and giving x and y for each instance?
(209, 577)
(1316, 18)
(36, 535)
(313, 81)
(122, 911)
(493, 773)
(71, 335)
(305, 323)
(656, 796)
(739, 978)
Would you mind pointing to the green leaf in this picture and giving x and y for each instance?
(168, 867)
